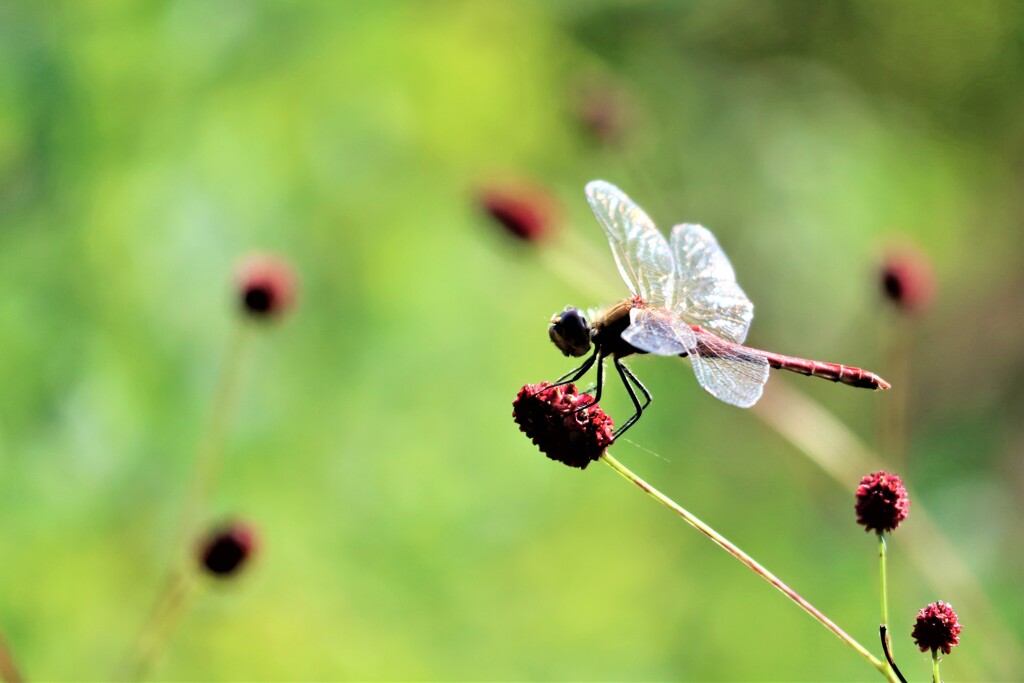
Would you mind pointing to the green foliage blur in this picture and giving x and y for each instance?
(408, 530)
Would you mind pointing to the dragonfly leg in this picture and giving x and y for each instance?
(639, 385)
(575, 374)
(598, 387)
(627, 377)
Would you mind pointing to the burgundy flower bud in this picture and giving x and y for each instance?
(525, 213)
(266, 286)
(882, 502)
(227, 549)
(549, 416)
(908, 280)
(937, 628)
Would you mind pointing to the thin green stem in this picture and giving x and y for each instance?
(881, 573)
(733, 550)
(172, 598)
(211, 444)
(887, 641)
(935, 667)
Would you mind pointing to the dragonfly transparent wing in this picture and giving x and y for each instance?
(706, 289)
(729, 372)
(641, 251)
(658, 331)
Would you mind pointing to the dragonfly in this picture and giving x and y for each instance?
(684, 301)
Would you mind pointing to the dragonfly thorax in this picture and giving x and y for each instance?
(608, 326)
(570, 332)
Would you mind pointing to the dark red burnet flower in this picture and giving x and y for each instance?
(882, 502)
(937, 628)
(266, 286)
(908, 280)
(227, 549)
(526, 213)
(549, 416)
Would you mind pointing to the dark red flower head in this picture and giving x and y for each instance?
(227, 549)
(882, 502)
(525, 213)
(549, 417)
(937, 628)
(266, 285)
(908, 280)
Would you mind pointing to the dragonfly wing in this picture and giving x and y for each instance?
(729, 372)
(706, 289)
(658, 331)
(641, 251)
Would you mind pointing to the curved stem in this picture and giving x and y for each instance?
(754, 566)
(883, 631)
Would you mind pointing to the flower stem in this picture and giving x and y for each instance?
(935, 667)
(881, 572)
(173, 596)
(886, 640)
(8, 671)
(726, 545)
(211, 444)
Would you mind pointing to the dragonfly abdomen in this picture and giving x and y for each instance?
(855, 377)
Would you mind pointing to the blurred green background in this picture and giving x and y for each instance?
(410, 532)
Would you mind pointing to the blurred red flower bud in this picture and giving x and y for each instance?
(525, 213)
(227, 549)
(882, 502)
(907, 280)
(937, 628)
(549, 416)
(266, 285)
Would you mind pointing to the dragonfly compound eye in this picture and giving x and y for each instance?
(570, 332)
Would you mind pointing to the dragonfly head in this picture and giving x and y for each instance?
(570, 332)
